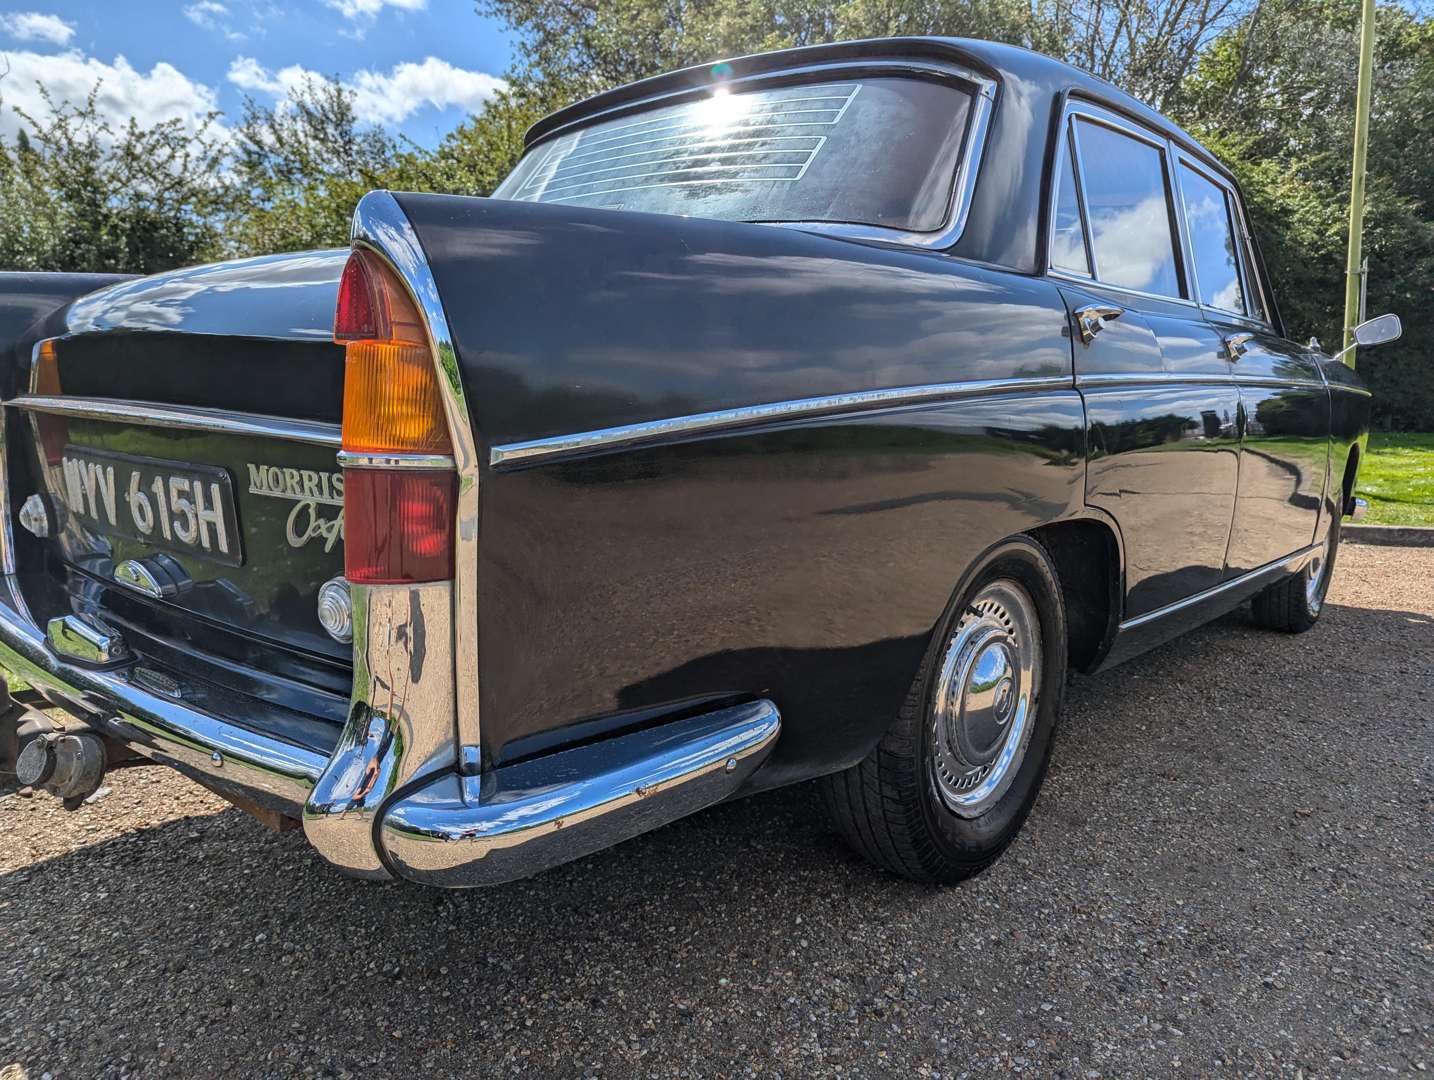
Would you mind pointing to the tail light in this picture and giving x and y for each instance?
(54, 431)
(398, 516)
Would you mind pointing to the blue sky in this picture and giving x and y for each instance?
(418, 66)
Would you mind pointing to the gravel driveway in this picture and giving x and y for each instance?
(1230, 872)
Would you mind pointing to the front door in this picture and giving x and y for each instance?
(1284, 406)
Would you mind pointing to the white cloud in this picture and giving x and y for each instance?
(362, 13)
(35, 26)
(212, 15)
(379, 97)
(368, 9)
(162, 93)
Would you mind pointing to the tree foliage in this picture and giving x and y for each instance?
(76, 194)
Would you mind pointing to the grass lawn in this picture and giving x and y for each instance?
(1397, 477)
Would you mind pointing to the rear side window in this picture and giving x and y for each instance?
(1068, 238)
(871, 151)
(1209, 219)
(1128, 211)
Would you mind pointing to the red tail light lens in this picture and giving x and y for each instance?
(398, 526)
(360, 311)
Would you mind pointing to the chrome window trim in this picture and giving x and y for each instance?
(1066, 148)
(381, 226)
(1077, 279)
(183, 417)
(352, 459)
(1079, 108)
(671, 429)
(1245, 263)
(968, 168)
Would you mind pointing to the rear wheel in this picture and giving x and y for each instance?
(949, 786)
(1294, 604)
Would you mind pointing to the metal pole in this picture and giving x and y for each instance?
(1352, 276)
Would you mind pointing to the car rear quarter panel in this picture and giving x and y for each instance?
(806, 560)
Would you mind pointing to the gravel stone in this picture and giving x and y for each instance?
(1230, 873)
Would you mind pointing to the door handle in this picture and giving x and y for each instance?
(1235, 345)
(1091, 319)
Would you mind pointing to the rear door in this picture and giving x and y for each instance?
(1284, 406)
(1161, 403)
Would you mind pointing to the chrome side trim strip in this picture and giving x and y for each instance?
(681, 427)
(1162, 378)
(1344, 388)
(184, 417)
(1279, 384)
(351, 459)
(381, 226)
(1288, 564)
(1128, 379)
(521, 819)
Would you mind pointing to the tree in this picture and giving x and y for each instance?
(299, 168)
(77, 194)
(1274, 97)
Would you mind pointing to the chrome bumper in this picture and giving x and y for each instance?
(390, 800)
(273, 774)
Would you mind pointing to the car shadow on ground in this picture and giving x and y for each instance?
(226, 923)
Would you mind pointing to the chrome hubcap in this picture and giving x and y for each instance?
(986, 695)
(1314, 572)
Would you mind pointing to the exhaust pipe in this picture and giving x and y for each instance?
(69, 764)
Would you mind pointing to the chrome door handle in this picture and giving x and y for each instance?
(1235, 345)
(1091, 319)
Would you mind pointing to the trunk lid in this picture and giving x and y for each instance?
(184, 432)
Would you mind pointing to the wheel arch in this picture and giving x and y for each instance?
(1351, 475)
(1090, 564)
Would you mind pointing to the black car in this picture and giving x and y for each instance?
(804, 416)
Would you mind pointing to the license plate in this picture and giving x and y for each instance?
(169, 504)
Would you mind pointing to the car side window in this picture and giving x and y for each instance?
(1068, 251)
(1209, 218)
(1127, 204)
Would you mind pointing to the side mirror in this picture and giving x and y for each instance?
(1377, 331)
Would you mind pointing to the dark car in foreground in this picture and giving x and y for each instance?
(806, 416)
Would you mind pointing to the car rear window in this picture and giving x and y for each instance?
(872, 151)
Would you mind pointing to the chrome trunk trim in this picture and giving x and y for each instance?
(381, 226)
(351, 459)
(183, 417)
(750, 416)
(521, 819)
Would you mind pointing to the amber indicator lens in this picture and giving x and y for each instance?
(54, 431)
(398, 526)
(392, 402)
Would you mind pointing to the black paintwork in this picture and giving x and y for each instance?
(806, 561)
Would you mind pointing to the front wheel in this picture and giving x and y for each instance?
(1294, 603)
(949, 786)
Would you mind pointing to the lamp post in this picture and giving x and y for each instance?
(1353, 277)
